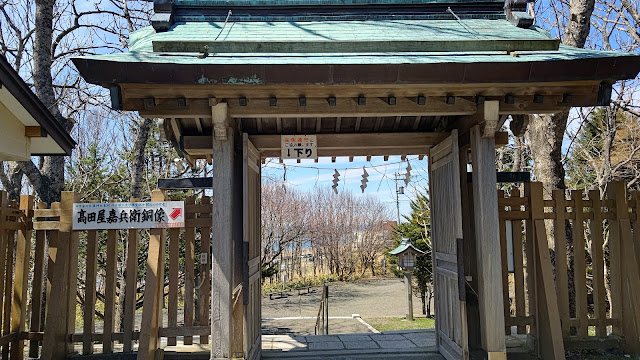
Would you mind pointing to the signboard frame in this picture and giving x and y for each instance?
(128, 215)
(298, 147)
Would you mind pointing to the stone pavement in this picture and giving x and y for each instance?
(392, 341)
(307, 325)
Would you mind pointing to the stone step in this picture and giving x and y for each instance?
(364, 354)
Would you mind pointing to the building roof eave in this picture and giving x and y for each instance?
(10, 79)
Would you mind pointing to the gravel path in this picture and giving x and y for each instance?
(369, 298)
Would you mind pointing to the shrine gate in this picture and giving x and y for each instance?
(370, 78)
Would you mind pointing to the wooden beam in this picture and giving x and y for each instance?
(198, 125)
(416, 122)
(334, 46)
(186, 183)
(175, 129)
(34, 131)
(580, 90)
(353, 141)
(396, 124)
(370, 144)
(317, 107)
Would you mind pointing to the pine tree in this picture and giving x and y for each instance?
(417, 228)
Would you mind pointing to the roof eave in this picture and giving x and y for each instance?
(609, 69)
(21, 91)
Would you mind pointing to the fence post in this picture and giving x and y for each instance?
(131, 280)
(562, 275)
(153, 291)
(23, 255)
(630, 316)
(549, 336)
(36, 287)
(60, 323)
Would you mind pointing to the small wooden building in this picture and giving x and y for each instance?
(369, 78)
(28, 128)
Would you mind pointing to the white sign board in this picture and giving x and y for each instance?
(134, 215)
(298, 147)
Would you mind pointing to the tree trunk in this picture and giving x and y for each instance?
(137, 166)
(13, 182)
(546, 132)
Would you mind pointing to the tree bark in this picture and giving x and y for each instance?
(12, 182)
(545, 135)
(137, 167)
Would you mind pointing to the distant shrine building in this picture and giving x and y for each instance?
(436, 78)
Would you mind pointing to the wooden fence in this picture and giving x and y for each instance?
(593, 255)
(72, 273)
(15, 255)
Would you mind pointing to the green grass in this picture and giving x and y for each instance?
(391, 324)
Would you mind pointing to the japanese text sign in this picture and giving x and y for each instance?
(298, 147)
(134, 215)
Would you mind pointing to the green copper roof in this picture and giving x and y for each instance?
(405, 245)
(337, 30)
(141, 48)
(142, 65)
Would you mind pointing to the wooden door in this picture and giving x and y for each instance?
(252, 284)
(446, 240)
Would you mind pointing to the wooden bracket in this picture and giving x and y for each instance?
(220, 117)
(491, 117)
(34, 131)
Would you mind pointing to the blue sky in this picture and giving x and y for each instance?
(307, 175)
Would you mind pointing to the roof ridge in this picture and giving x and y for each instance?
(168, 12)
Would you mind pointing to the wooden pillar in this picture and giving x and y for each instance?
(222, 239)
(548, 328)
(407, 282)
(153, 290)
(131, 280)
(489, 270)
(630, 284)
(469, 242)
(62, 301)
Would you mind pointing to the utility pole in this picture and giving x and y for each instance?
(399, 190)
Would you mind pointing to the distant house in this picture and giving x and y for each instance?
(27, 127)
